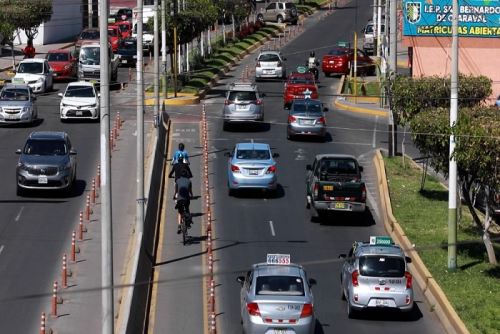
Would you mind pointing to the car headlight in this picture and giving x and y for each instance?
(22, 166)
(27, 109)
(64, 105)
(64, 167)
(93, 105)
(40, 80)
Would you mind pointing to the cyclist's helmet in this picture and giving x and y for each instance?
(312, 54)
(181, 146)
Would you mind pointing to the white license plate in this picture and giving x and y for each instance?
(268, 71)
(42, 179)
(254, 172)
(79, 113)
(12, 117)
(381, 302)
(124, 61)
(280, 331)
(307, 122)
(18, 80)
(241, 107)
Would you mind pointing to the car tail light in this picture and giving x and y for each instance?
(363, 192)
(235, 169)
(316, 189)
(321, 120)
(258, 64)
(409, 280)
(354, 278)
(291, 119)
(271, 169)
(258, 102)
(253, 309)
(307, 311)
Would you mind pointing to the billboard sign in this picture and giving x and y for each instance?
(433, 18)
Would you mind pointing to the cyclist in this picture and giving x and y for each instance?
(180, 154)
(183, 194)
(177, 169)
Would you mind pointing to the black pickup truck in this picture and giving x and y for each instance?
(334, 183)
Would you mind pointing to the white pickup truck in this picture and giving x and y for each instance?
(89, 63)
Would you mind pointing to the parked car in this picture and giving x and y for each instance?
(87, 35)
(299, 85)
(375, 275)
(243, 103)
(80, 100)
(115, 36)
(36, 73)
(63, 64)
(306, 118)
(251, 165)
(17, 104)
(369, 36)
(47, 161)
(279, 11)
(340, 60)
(270, 64)
(276, 297)
(333, 183)
(127, 52)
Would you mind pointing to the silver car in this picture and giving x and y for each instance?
(243, 103)
(375, 275)
(270, 65)
(17, 104)
(277, 298)
(306, 117)
(47, 161)
(251, 165)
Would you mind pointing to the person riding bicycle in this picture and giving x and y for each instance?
(312, 62)
(180, 154)
(183, 194)
(178, 167)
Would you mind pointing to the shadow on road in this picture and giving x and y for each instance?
(248, 127)
(259, 193)
(346, 218)
(390, 315)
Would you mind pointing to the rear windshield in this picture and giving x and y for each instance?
(253, 154)
(381, 266)
(311, 108)
(14, 94)
(338, 166)
(242, 96)
(338, 52)
(45, 147)
(89, 35)
(279, 285)
(60, 56)
(301, 80)
(269, 57)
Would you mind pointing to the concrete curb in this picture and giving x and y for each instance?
(432, 291)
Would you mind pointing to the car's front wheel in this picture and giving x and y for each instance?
(260, 17)
(279, 19)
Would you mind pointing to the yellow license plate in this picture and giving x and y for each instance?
(340, 205)
(328, 188)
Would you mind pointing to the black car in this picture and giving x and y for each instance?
(127, 52)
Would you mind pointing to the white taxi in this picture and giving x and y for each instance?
(36, 73)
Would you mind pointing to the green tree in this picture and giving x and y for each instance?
(26, 15)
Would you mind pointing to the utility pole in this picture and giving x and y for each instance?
(156, 58)
(90, 13)
(379, 26)
(163, 49)
(140, 122)
(393, 70)
(107, 298)
(452, 175)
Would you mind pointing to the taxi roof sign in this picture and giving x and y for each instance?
(381, 241)
(343, 44)
(278, 259)
(301, 69)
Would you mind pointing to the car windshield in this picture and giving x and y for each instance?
(242, 96)
(269, 57)
(253, 154)
(34, 68)
(279, 285)
(45, 147)
(89, 35)
(60, 56)
(79, 91)
(310, 108)
(17, 94)
(381, 266)
(90, 54)
(338, 166)
(338, 52)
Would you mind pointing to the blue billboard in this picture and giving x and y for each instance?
(433, 18)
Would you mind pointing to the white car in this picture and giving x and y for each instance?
(80, 101)
(36, 73)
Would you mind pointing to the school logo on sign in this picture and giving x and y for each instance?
(413, 12)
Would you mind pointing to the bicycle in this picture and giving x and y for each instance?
(186, 222)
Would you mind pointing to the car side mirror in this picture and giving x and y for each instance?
(72, 152)
(60, 94)
(312, 282)
(360, 168)
(240, 279)
(18, 151)
(276, 155)
(309, 167)
(408, 259)
(342, 256)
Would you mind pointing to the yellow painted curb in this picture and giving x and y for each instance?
(364, 99)
(432, 291)
(150, 95)
(337, 103)
(175, 101)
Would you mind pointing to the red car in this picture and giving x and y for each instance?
(114, 36)
(340, 59)
(299, 86)
(125, 29)
(63, 64)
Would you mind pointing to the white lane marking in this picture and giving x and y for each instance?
(1, 249)
(272, 228)
(19, 214)
(374, 132)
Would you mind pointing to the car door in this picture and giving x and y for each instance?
(270, 12)
(347, 270)
(47, 72)
(244, 295)
(310, 177)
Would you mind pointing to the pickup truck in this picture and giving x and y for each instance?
(334, 183)
(89, 59)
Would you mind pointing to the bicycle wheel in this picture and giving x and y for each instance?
(184, 231)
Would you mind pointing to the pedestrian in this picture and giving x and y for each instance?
(29, 50)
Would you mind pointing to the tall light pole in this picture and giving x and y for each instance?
(163, 49)
(452, 175)
(156, 56)
(107, 299)
(393, 70)
(140, 123)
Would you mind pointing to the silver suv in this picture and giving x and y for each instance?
(47, 161)
(279, 11)
(17, 104)
(243, 103)
(375, 275)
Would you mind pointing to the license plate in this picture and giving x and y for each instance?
(18, 80)
(55, 74)
(338, 205)
(42, 179)
(240, 107)
(13, 117)
(307, 122)
(124, 61)
(268, 71)
(328, 188)
(381, 302)
(79, 113)
(280, 331)
(254, 172)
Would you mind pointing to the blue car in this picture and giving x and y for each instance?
(251, 165)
